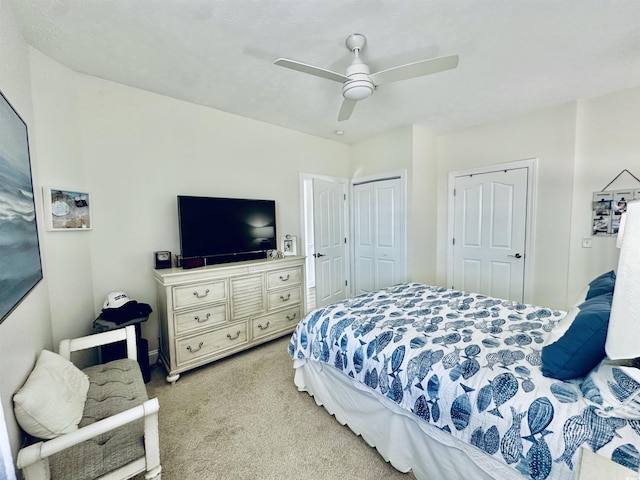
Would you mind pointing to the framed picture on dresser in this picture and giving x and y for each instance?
(289, 245)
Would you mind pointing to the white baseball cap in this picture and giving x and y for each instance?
(116, 300)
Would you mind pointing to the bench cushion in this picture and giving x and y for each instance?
(114, 387)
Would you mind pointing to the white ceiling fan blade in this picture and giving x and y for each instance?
(416, 69)
(310, 69)
(346, 109)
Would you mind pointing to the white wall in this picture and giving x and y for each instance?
(67, 254)
(412, 150)
(548, 136)
(389, 152)
(423, 212)
(27, 330)
(607, 142)
(134, 151)
(580, 148)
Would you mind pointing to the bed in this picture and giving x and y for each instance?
(451, 384)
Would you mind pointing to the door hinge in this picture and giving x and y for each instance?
(345, 283)
(454, 192)
(345, 240)
(453, 241)
(345, 196)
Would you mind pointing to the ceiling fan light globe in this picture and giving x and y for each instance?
(357, 89)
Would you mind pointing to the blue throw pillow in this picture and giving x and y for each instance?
(602, 285)
(581, 348)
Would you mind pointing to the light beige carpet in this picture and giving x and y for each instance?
(243, 418)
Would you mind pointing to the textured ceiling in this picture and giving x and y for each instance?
(515, 55)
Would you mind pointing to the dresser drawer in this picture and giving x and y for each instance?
(197, 346)
(284, 277)
(201, 318)
(283, 298)
(275, 322)
(199, 294)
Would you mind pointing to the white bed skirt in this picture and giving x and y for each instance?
(404, 440)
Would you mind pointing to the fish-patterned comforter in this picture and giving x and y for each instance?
(469, 365)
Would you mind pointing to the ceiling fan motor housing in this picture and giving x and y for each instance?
(359, 86)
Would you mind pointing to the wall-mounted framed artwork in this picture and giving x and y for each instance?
(66, 209)
(20, 263)
(607, 208)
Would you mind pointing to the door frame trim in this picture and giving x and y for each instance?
(402, 175)
(531, 164)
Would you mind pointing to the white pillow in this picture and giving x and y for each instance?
(614, 389)
(52, 399)
(563, 325)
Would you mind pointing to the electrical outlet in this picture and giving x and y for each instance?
(586, 242)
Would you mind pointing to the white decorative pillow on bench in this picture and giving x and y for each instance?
(52, 399)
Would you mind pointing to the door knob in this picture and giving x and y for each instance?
(517, 255)
(318, 255)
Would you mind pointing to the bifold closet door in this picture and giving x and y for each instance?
(378, 235)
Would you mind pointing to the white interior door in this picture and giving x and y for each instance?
(329, 200)
(489, 235)
(378, 226)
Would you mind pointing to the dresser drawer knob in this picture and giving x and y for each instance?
(284, 279)
(233, 338)
(291, 317)
(265, 327)
(285, 299)
(202, 320)
(194, 350)
(206, 292)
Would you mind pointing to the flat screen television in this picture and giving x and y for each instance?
(221, 230)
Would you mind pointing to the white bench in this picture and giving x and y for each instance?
(117, 437)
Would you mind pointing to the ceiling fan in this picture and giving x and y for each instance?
(358, 83)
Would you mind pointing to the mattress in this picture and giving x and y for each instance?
(459, 371)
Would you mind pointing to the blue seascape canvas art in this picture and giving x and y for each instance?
(20, 264)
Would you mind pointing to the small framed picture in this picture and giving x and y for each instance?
(602, 207)
(66, 209)
(600, 225)
(289, 245)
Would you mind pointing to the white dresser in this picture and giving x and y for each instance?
(210, 312)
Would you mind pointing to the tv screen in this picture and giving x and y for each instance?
(226, 229)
